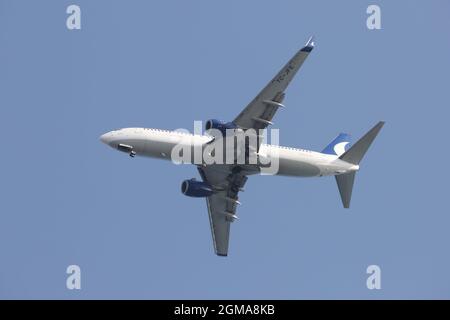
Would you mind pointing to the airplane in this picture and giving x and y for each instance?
(221, 183)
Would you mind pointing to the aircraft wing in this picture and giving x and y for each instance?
(222, 204)
(259, 113)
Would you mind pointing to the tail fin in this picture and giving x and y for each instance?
(338, 145)
(354, 155)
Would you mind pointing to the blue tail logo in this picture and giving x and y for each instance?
(339, 145)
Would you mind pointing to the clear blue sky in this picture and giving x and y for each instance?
(68, 199)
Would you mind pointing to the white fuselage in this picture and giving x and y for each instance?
(157, 143)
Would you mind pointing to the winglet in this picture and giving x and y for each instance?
(309, 45)
(310, 42)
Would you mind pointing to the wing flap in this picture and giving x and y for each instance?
(222, 204)
(220, 226)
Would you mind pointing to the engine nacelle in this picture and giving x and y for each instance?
(219, 125)
(194, 188)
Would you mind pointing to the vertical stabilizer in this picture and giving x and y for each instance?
(339, 145)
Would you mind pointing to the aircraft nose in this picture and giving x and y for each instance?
(106, 138)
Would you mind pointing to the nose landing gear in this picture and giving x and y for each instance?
(126, 148)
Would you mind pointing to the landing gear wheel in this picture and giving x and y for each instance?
(132, 154)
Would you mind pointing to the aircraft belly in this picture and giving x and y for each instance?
(291, 167)
(157, 149)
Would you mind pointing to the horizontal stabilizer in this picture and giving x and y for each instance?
(345, 185)
(355, 154)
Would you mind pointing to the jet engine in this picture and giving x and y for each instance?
(219, 125)
(194, 188)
